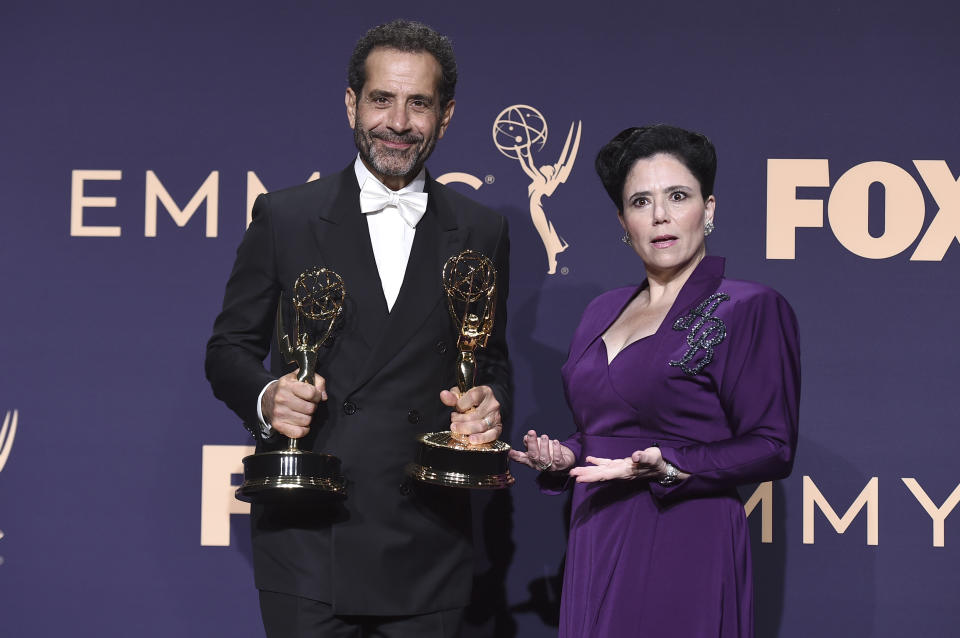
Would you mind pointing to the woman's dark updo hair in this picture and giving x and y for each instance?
(693, 150)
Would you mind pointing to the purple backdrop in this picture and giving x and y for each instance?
(114, 491)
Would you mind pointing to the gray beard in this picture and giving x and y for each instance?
(387, 161)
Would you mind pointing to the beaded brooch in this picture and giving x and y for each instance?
(704, 333)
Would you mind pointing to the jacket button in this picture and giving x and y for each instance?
(413, 417)
(328, 342)
(349, 408)
(441, 347)
(405, 489)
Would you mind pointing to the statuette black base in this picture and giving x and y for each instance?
(290, 475)
(442, 460)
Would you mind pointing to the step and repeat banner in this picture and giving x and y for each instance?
(134, 137)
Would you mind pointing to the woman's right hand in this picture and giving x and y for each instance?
(543, 453)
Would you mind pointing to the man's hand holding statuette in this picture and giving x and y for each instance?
(476, 413)
(288, 405)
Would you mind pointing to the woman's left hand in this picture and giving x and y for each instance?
(644, 464)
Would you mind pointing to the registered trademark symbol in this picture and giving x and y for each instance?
(564, 270)
(489, 179)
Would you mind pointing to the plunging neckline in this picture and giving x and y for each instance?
(606, 349)
(704, 279)
(606, 346)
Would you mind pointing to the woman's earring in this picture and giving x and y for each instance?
(708, 228)
(626, 239)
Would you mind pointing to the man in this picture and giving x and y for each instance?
(394, 559)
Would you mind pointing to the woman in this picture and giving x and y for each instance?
(681, 388)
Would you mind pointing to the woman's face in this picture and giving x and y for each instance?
(664, 214)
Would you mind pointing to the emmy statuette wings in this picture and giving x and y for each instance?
(7, 434)
(520, 131)
(446, 458)
(291, 473)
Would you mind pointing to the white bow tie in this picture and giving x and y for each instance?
(374, 197)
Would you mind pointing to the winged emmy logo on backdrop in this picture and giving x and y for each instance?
(516, 131)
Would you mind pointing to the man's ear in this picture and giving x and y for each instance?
(445, 117)
(350, 101)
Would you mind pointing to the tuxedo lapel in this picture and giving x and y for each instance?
(453, 236)
(438, 237)
(344, 241)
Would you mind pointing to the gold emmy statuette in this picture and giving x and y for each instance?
(447, 458)
(292, 474)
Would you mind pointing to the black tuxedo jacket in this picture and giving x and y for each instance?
(393, 546)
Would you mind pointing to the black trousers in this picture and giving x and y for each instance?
(288, 616)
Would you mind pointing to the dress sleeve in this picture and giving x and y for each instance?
(759, 391)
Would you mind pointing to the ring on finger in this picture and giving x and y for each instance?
(487, 420)
(543, 467)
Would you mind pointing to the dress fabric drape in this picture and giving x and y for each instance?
(716, 388)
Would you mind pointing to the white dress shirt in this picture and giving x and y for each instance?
(390, 235)
(392, 238)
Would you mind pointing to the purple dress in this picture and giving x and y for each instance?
(717, 389)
